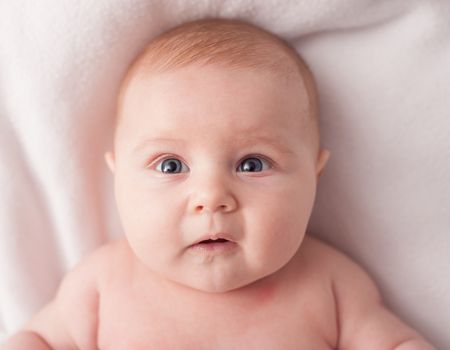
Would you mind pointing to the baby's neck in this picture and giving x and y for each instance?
(256, 295)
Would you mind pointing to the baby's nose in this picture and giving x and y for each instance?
(224, 207)
(212, 197)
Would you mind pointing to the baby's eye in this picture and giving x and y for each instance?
(253, 164)
(171, 166)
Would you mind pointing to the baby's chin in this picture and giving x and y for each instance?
(221, 288)
(220, 284)
(213, 287)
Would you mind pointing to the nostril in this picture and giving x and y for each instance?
(200, 208)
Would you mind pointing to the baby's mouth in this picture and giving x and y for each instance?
(213, 238)
(209, 241)
(213, 245)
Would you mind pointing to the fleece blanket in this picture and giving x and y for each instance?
(383, 74)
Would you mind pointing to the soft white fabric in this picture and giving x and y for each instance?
(383, 72)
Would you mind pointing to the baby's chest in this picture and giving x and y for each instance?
(133, 324)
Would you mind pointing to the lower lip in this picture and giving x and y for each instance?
(213, 248)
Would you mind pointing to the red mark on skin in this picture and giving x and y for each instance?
(262, 293)
(266, 293)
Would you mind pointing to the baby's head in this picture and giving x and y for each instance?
(217, 139)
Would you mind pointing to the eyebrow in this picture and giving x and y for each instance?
(156, 140)
(241, 141)
(261, 139)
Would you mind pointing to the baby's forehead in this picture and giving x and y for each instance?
(196, 84)
(246, 102)
(173, 76)
(229, 44)
(286, 73)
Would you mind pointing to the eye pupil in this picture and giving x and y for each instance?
(171, 166)
(251, 165)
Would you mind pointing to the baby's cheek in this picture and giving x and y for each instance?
(284, 225)
(141, 212)
(270, 243)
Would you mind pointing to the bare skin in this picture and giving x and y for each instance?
(273, 288)
(305, 305)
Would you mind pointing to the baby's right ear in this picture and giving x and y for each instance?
(109, 158)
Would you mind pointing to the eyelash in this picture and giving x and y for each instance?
(160, 159)
(262, 158)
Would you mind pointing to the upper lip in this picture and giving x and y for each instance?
(214, 237)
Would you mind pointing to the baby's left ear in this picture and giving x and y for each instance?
(109, 158)
(322, 160)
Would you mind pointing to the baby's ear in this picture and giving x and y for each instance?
(109, 158)
(322, 160)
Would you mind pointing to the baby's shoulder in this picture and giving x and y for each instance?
(109, 260)
(319, 255)
(116, 251)
(331, 261)
(345, 274)
(97, 267)
(104, 255)
(314, 264)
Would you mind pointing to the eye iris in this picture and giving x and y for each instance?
(251, 165)
(171, 166)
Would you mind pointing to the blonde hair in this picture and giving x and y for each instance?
(230, 43)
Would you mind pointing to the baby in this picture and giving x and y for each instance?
(216, 160)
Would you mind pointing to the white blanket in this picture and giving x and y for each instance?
(383, 72)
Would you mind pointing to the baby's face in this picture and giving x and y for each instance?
(210, 153)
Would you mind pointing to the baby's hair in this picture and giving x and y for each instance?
(229, 43)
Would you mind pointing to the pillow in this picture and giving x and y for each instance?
(382, 71)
